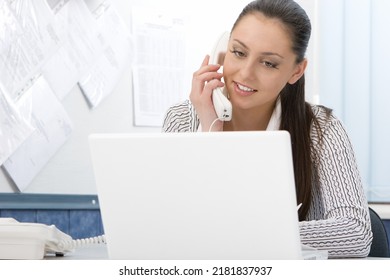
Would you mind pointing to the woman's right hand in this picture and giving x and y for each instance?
(204, 81)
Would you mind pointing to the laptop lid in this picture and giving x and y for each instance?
(220, 195)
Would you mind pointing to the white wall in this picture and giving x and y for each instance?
(70, 171)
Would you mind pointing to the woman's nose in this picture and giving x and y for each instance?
(247, 69)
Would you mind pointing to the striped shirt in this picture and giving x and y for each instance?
(338, 220)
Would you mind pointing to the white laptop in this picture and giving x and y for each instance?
(197, 196)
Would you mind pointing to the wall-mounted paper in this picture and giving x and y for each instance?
(27, 40)
(79, 46)
(158, 72)
(52, 126)
(14, 130)
(115, 45)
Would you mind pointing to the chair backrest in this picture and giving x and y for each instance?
(380, 242)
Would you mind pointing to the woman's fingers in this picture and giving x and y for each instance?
(205, 60)
(213, 84)
(206, 67)
(204, 81)
(205, 74)
(201, 79)
(202, 84)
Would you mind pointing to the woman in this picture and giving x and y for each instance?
(264, 77)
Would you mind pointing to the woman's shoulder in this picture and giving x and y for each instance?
(180, 117)
(181, 107)
(325, 121)
(323, 113)
(324, 116)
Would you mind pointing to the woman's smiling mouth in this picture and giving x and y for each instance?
(243, 90)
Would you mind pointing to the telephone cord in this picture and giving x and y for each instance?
(213, 123)
(77, 243)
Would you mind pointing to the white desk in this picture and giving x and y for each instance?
(99, 252)
(90, 252)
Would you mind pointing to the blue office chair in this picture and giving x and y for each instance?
(380, 242)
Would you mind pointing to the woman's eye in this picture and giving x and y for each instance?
(238, 53)
(269, 64)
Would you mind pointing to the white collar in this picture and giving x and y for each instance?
(274, 122)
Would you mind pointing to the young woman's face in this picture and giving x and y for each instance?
(259, 62)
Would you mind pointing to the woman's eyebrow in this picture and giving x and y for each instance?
(263, 53)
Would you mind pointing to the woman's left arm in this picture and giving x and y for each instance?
(338, 219)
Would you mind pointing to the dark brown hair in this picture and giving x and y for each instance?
(297, 115)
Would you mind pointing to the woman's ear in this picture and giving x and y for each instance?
(299, 71)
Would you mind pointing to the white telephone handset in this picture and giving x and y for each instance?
(31, 241)
(222, 105)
